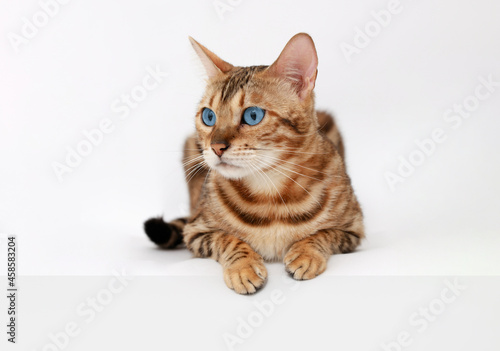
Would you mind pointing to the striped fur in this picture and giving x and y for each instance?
(281, 192)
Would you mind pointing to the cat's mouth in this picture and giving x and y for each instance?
(231, 167)
(226, 165)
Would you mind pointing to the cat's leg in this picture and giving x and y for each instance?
(308, 257)
(243, 268)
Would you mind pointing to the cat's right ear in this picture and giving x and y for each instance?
(213, 64)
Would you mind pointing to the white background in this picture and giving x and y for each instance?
(442, 220)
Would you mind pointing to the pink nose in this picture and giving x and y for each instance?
(219, 148)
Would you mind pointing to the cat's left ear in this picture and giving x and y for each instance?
(298, 63)
(213, 64)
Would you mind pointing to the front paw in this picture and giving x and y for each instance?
(304, 262)
(246, 275)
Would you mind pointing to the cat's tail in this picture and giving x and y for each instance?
(166, 235)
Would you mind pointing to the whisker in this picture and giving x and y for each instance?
(194, 167)
(206, 177)
(274, 168)
(191, 167)
(295, 164)
(192, 156)
(194, 159)
(200, 167)
(281, 197)
(262, 175)
(311, 169)
(187, 163)
(181, 150)
(291, 170)
(191, 170)
(290, 150)
(259, 172)
(187, 160)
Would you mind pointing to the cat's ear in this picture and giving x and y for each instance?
(213, 64)
(298, 63)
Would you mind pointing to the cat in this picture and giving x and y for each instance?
(266, 173)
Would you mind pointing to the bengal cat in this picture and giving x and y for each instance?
(265, 171)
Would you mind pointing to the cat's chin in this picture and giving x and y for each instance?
(230, 171)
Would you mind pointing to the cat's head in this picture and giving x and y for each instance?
(250, 117)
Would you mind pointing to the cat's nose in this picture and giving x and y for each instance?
(219, 147)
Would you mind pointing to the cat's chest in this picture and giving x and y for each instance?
(267, 226)
(273, 241)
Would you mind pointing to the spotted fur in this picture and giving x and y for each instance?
(280, 190)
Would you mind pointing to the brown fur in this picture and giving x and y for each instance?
(296, 205)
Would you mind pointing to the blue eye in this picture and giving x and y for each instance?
(208, 117)
(253, 115)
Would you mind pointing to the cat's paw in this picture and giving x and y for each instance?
(246, 275)
(304, 262)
